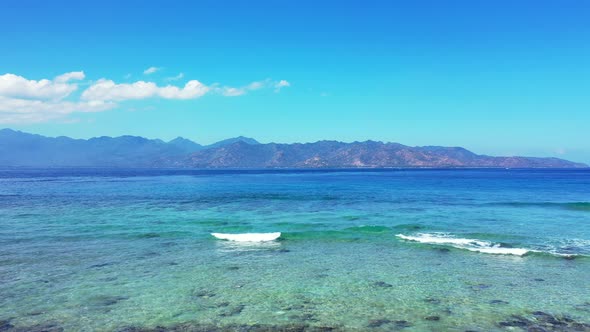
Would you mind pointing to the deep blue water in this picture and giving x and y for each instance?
(106, 249)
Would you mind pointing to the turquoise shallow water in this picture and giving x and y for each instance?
(108, 250)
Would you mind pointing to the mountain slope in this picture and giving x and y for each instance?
(230, 141)
(357, 154)
(23, 149)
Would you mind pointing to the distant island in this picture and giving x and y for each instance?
(29, 150)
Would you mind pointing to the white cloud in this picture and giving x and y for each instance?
(192, 89)
(256, 85)
(15, 86)
(268, 83)
(107, 90)
(282, 84)
(15, 110)
(228, 91)
(24, 101)
(74, 75)
(151, 70)
(175, 78)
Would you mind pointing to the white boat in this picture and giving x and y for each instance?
(248, 237)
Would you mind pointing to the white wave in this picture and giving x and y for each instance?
(467, 244)
(500, 251)
(248, 237)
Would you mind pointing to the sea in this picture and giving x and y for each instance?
(85, 249)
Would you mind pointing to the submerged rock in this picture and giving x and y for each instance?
(402, 324)
(516, 321)
(148, 235)
(236, 310)
(197, 327)
(378, 322)
(432, 318)
(108, 279)
(107, 300)
(46, 327)
(382, 284)
(294, 307)
(308, 318)
(536, 329)
(542, 321)
(432, 300)
(583, 307)
(480, 287)
(5, 325)
(203, 294)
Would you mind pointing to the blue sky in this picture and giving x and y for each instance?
(497, 77)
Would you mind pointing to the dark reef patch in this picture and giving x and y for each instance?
(480, 287)
(232, 311)
(5, 325)
(148, 236)
(400, 324)
(432, 300)
(202, 294)
(373, 323)
(190, 327)
(583, 307)
(96, 266)
(382, 284)
(106, 300)
(542, 321)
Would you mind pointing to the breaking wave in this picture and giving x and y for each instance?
(486, 247)
(248, 237)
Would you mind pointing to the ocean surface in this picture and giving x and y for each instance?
(365, 250)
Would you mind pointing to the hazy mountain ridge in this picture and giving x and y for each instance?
(23, 149)
(357, 154)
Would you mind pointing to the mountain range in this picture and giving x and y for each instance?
(23, 149)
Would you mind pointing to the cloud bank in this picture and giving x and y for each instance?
(25, 101)
(107, 90)
(14, 86)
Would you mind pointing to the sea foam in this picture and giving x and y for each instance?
(248, 237)
(461, 243)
